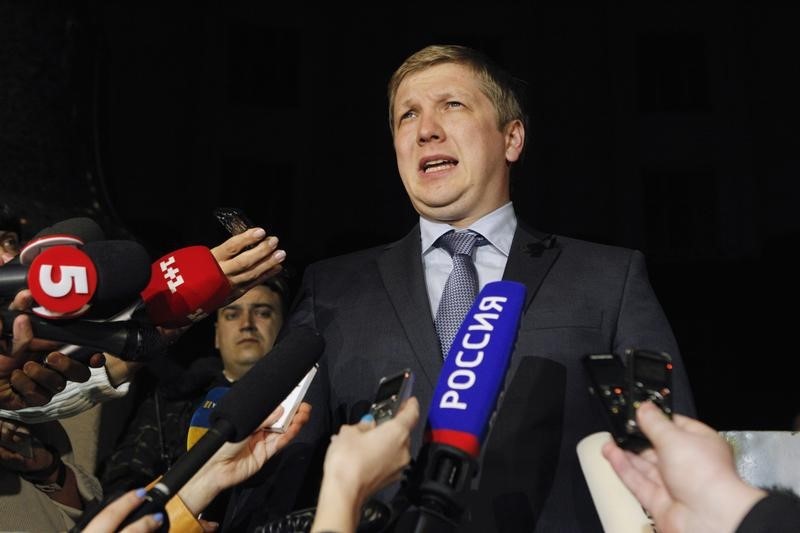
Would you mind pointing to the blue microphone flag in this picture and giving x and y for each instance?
(474, 371)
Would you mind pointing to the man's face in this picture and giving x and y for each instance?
(246, 329)
(9, 246)
(451, 156)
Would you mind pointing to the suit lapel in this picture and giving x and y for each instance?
(532, 255)
(400, 267)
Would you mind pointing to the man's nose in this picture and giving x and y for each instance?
(430, 129)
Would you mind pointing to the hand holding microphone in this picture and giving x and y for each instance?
(235, 462)
(31, 372)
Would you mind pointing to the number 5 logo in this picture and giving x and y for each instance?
(62, 279)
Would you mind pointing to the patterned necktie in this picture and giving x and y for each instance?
(461, 286)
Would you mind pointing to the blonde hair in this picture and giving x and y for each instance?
(495, 83)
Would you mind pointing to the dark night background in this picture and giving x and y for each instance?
(671, 128)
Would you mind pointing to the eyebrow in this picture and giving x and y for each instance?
(239, 307)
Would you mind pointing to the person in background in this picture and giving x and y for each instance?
(42, 487)
(9, 234)
(159, 433)
(688, 481)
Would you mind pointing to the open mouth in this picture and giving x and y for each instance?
(437, 165)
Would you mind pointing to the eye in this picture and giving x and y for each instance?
(454, 104)
(408, 114)
(230, 314)
(264, 313)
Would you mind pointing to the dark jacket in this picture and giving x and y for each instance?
(156, 435)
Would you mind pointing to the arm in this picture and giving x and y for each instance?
(42, 466)
(688, 480)
(235, 462)
(360, 460)
(31, 372)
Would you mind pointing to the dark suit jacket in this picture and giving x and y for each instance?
(372, 309)
(779, 512)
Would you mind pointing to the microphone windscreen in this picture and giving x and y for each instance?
(474, 371)
(93, 281)
(616, 506)
(185, 286)
(73, 231)
(264, 387)
(84, 228)
(123, 270)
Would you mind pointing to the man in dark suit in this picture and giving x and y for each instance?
(458, 127)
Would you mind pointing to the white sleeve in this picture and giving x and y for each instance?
(74, 399)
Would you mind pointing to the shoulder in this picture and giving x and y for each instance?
(359, 259)
(534, 241)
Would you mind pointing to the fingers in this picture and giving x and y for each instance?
(654, 423)
(97, 360)
(408, 414)
(245, 268)
(235, 244)
(367, 422)
(273, 417)
(114, 513)
(23, 301)
(22, 333)
(30, 393)
(69, 368)
(146, 524)
(299, 419)
(627, 472)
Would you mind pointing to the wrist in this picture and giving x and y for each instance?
(199, 491)
(51, 478)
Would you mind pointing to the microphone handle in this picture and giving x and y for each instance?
(182, 471)
(438, 485)
(111, 337)
(13, 278)
(126, 339)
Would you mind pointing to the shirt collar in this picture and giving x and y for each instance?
(496, 227)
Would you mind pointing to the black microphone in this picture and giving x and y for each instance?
(461, 411)
(128, 339)
(92, 280)
(75, 231)
(241, 410)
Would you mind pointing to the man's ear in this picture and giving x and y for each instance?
(515, 140)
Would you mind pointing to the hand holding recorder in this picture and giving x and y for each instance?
(687, 481)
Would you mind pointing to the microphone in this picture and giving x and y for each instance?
(185, 285)
(72, 231)
(616, 506)
(128, 339)
(462, 408)
(241, 410)
(67, 281)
